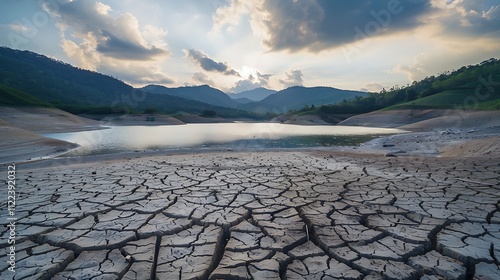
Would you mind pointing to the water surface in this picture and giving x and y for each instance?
(225, 135)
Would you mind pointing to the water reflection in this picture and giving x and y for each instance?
(230, 135)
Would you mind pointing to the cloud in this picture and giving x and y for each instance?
(322, 24)
(123, 49)
(263, 78)
(372, 87)
(230, 16)
(252, 82)
(203, 78)
(97, 38)
(293, 78)
(316, 25)
(467, 18)
(415, 71)
(155, 34)
(84, 55)
(209, 64)
(118, 37)
(146, 76)
(19, 27)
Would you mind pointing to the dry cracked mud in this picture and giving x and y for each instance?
(290, 215)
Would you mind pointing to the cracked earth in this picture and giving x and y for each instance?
(286, 215)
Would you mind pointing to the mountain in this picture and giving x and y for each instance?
(205, 94)
(243, 100)
(56, 82)
(256, 94)
(28, 78)
(472, 87)
(298, 97)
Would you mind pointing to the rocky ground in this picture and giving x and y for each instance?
(286, 215)
(483, 142)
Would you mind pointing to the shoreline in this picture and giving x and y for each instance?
(412, 144)
(372, 149)
(424, 138)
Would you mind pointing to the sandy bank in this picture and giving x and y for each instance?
(457, 119)
(486, 147)
(426, 120)
(300, 120)
(46, 120)
(438, 143)
(310, 119)
(136, 119)
(19, 145)
(200, 119)
(435, 130)
(19, 128)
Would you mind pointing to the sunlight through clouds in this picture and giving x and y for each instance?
(98, 41)
(237, 45)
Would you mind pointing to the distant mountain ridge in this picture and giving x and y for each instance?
(276, 102)
(256, 94)
(31, 78)
(204, 93)
(76, 90)
(298, 97)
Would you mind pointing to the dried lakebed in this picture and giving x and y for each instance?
(287, 215)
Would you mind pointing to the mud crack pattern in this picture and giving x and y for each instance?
(259, 216)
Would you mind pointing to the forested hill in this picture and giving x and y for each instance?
(56, 82)
(473, 87)
(28, 78)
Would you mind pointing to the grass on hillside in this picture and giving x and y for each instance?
(464, 97)
(471, 96)
(490, 105)
(13, 97)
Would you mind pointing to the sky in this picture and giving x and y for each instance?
(238, 45)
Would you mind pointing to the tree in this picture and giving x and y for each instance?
(411, 95)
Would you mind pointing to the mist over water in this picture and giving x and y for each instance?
(226, 135)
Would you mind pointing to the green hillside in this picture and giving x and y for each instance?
(297, 97)
(32, 79)
(473, 87)
(469, 96)
(13, 97)
(451, 99)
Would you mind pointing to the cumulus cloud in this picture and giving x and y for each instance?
(293, 78)
(322, 24)
(83, 54)
(97, 38)
(252, 82)
(203, 78)
(145, 77)
(372, 87)
(415, 71)
(472, 18)
(229, 16)
(118, 37)
(20, 28)
(208, 64)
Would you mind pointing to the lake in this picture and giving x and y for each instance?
(218, 136)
